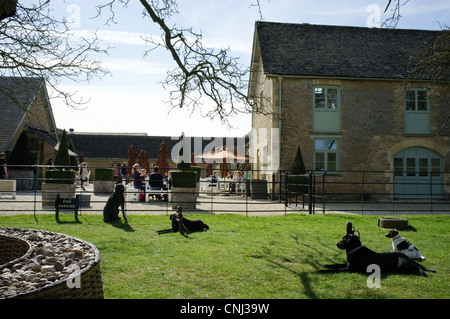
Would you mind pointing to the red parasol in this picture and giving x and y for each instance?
(131, 159)
(161, 161)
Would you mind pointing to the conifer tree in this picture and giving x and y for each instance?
(299, 166)
(62, 158)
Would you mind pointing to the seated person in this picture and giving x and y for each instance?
(156, 182)
(213, 180)
(167, 180)
(138, 177)
(237, 178)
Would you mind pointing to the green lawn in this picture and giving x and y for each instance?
(249, 257)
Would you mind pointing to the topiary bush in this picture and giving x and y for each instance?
(62, 158)
(298, 184)
(184, 178)
(55, 176)
(104, 174)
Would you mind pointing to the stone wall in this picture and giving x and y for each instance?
(372, 125)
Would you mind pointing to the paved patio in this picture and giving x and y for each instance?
(30, 203)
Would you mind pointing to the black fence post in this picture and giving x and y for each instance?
(311, 191)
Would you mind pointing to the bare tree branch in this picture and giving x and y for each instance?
(203, 77)
(393, 20)
(201, 72)
(36, 44)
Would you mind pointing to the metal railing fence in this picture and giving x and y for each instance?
(260, 193)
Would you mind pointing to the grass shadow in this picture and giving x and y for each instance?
(122, 225)
(304, 278)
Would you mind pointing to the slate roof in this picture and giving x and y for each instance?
(115, 146)
(16, 96)
(337, 51)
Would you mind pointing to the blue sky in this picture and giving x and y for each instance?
(130, 100)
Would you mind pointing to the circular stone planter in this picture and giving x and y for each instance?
(37, 264)
(398, 223)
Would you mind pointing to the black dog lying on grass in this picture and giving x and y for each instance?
(116, 200)
(360, 257)
(182, 225)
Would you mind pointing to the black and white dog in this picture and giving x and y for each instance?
(115, 201)
(401, 245)
(360, 257)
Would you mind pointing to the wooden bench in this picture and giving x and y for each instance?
(8, 187)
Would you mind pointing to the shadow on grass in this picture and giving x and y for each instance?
(304, 277)
(307, 255)
(122, 225)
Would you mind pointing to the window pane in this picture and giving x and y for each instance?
(332, 166)
(410, 95)
(422, 95)
(319, 92)
(320, 157)
(410, 166)
(332, 99)
(331, 145)
(319, 98)
(422, 105)
(423, 167)
(325, 145)
(410, 105)
(319, 104)
(398, 166)
(332, 157)
(332, 162)
(320, 161)
(435, 167)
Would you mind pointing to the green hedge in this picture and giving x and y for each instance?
(104, 174)
(55, 176)
(185, 178)
(198, 169)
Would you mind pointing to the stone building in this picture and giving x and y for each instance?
(348, 98)
(25, 106)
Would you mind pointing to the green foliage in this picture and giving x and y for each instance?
(62, 157)
(104, 174)
(197, 169)
(181, 164)
(298, 184)
(21, 154)
(184, 178)
(299, 166)
(55, 176)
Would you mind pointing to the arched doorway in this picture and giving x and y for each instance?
(418, 174)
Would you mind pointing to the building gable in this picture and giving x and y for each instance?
(23, 102)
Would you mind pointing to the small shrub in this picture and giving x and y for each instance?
(62, 157)
(104, 174)
(184, 178)
(55, 176)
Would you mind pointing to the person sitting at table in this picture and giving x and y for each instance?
(167, 180)
(237, 178)
(138, 178)
(213, 179)
(156, 182)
